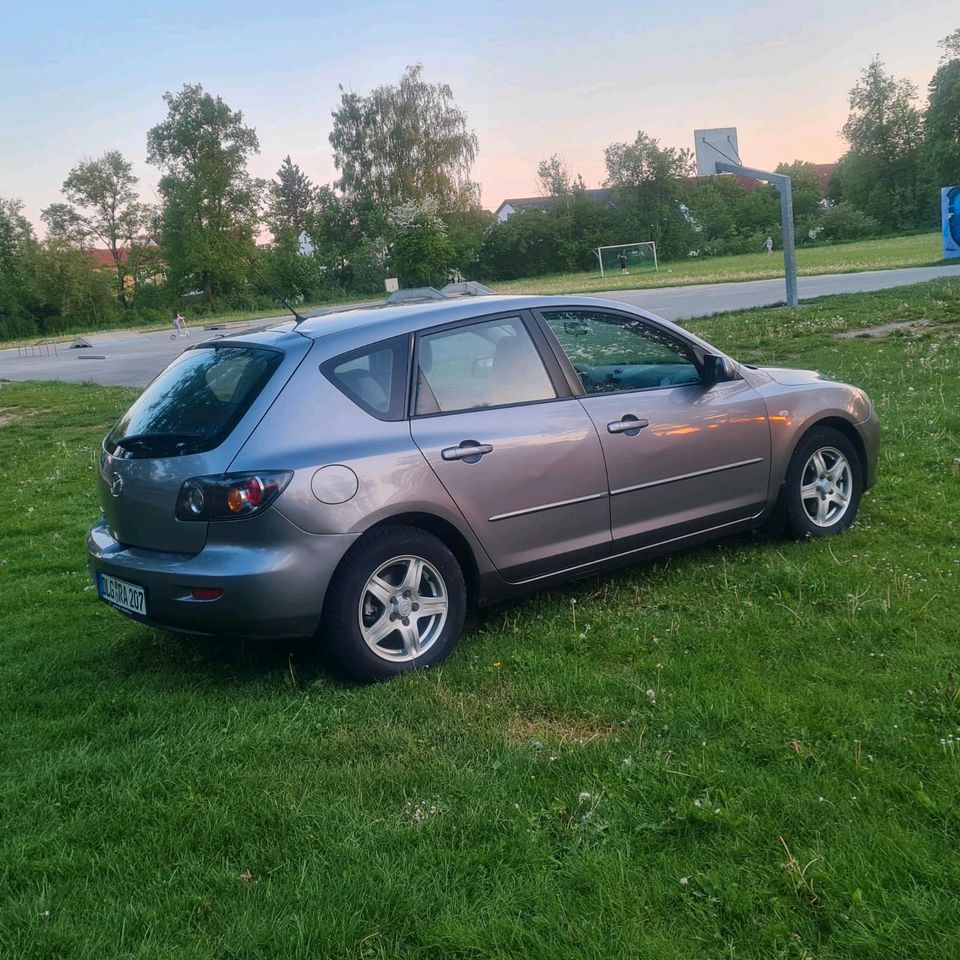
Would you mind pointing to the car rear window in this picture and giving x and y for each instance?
(195, 403)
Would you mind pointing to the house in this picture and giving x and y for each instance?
(146, 264)
(509, 207)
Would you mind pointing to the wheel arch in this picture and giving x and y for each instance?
(449, 535)
(848, 430)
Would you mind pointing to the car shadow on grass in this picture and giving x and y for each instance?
(223, 662)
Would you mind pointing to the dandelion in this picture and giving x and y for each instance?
(684, 881)
(584, 797)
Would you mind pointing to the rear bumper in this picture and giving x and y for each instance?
(273, 575)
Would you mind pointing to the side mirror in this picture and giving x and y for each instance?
(718, 369)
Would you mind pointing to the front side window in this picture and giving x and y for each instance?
(612, 353)
(488, 364)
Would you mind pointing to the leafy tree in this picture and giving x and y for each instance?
(209, 199)
(805, 184)
(420, 252)
(942, 119)
(404, 142)
(18, 247)
(529, 244)
(554, 179)
(651, 182)
(337, 234)
(466, 230)
(291, 197)
(879, 173)
(102, 204)
(69, 290)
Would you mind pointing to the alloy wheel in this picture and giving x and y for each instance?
(826, 486)
(403, 608)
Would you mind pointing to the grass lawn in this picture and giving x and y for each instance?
(748, 750)
(886, 254)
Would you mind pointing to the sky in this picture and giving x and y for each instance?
(534, 78)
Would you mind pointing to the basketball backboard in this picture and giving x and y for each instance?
(719, 143)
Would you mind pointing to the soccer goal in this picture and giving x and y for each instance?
(636, 257)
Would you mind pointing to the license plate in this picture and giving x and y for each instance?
(126, 596)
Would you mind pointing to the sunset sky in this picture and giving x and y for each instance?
(534, 78)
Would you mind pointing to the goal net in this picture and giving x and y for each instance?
(629, 257)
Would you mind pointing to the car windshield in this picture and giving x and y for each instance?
(194, 404)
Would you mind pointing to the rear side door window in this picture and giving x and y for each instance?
(488, 364)
(612, 353)
(374, 378)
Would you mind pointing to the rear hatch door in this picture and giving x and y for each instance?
(190, 421)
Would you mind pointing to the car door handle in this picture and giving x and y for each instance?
(628, 424)
(469, 451)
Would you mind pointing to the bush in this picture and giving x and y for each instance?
(844, 222)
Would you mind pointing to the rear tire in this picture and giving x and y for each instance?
(824, 485)
(395, 604)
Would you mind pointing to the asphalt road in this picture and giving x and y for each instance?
(134, 359)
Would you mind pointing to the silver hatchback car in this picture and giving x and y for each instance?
(364, 476)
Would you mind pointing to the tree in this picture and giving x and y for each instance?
(18, 247)
(942, 119)
(805, 186)
(420, 252)
(650, 182)
(102, 204)
(879, 173)
(554, 179)
(404, 142)
(291, 200)
(209, 199)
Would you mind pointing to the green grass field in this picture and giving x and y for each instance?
(748, 750)
(886, 254)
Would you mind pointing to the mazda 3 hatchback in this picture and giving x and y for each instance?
(363, 476)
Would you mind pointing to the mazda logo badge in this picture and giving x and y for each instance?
(116, 485)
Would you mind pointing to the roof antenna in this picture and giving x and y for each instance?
(299, 318)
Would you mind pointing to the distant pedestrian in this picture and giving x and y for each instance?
(768, 245)
(180, 324)
(622, 260)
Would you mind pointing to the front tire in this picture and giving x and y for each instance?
(824, 485)
(395, 604)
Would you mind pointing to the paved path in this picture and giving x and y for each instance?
(133, 359)
(682, 303)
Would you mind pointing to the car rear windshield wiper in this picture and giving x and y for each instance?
(173, 444)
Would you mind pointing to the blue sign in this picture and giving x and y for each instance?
(950, 212)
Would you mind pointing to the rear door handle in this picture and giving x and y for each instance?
(628, 424)
(469, 451)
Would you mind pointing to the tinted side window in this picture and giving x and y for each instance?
(488, 364)
(374, 378)
(612, 353)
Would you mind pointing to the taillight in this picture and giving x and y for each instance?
(230, 496)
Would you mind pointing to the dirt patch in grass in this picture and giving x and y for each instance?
(10, 415)
(523, 730)
(884, 329)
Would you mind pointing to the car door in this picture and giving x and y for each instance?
(683, 455)
(519, 455)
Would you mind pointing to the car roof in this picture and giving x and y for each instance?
(350, 328)
(386, 320)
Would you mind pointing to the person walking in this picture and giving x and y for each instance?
(768, 245)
